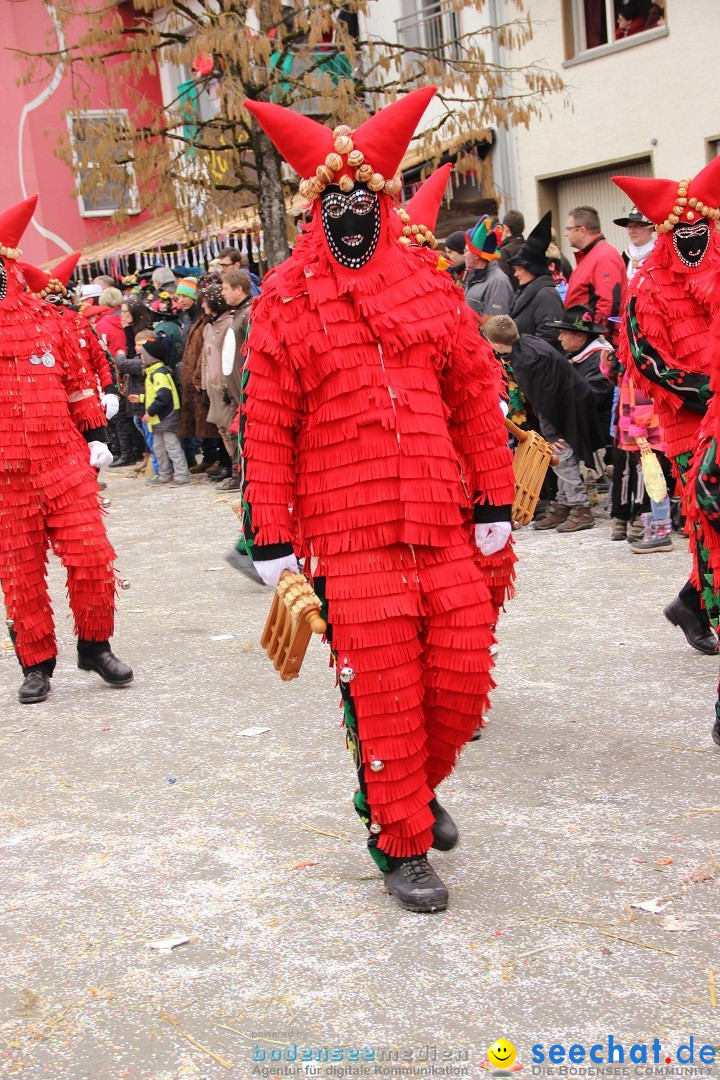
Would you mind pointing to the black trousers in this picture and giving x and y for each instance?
(628, 496)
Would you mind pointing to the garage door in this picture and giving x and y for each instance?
(596, 189)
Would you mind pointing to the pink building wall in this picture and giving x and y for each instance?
(30, 163)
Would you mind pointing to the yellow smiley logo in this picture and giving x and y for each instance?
(501, 1054)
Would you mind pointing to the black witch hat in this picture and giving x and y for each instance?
(532, 254)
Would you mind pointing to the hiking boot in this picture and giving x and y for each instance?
(579, 518)
(618, 530)
(555, 515)
(231, 484)
(445, 831)
(415, 885)
(636, 530)
(212, 469)
(201, 468)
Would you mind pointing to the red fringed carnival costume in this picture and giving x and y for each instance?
(664, 345)
(89, 349)
(372, 410)
(49, 412)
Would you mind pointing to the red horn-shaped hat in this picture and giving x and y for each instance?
(13, 223)
(302, 142)
(37, 280)
(667, 202)
(63, 271)
(371, 154)
(424, 206)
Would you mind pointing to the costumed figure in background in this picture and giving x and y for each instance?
(702, 502)
(52, 430)
(91, 352)
(664, 342)
(372, 409)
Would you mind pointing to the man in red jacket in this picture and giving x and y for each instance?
(599, 281)
(374, 447)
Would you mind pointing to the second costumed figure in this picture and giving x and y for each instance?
(374, 448)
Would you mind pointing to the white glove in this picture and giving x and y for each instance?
(271, 569)
(99, 454)
(111, 404)
(492, 536)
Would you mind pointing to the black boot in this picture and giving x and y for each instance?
(122, 462)
(445, 831)
(35, 688)
(98, 656)
(415, 885)
(222, 474)
(696, 630)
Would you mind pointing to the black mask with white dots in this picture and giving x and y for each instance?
(3, 281)
(691, 242)
(351, 223)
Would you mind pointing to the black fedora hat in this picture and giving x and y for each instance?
(532, 255)
(580, 320)
(635, 217)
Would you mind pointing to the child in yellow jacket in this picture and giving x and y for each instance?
(162, 412)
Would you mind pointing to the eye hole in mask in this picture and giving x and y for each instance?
(691, 242)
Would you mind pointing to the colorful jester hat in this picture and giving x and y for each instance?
(370, 154)
(424, 207)
(484, 238)
(13, 223)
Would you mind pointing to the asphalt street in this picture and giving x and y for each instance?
(135, 816)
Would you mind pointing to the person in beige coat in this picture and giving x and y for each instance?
(214, 383)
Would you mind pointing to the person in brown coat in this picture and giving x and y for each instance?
(194, 404)
(214, 383)
(237, 292)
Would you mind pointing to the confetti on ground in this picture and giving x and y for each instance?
(210, 1053)
(169, 943)
(675, 925)
(248, 731)
(655, 906)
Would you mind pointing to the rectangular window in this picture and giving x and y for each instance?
(610, 24)
(105, 179)
(432, 26)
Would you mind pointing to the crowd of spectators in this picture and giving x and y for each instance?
(176, 336)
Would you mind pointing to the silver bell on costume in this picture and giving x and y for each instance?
(347, 674)
(376, 765)
(375, 828)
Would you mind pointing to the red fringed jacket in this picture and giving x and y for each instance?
(665, 337)
(48, 395)
(373, 406)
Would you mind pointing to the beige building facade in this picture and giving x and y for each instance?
(648, 104)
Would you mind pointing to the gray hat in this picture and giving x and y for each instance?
(162, 276)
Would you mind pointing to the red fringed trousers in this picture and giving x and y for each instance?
(411, 629)
(58, 505)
